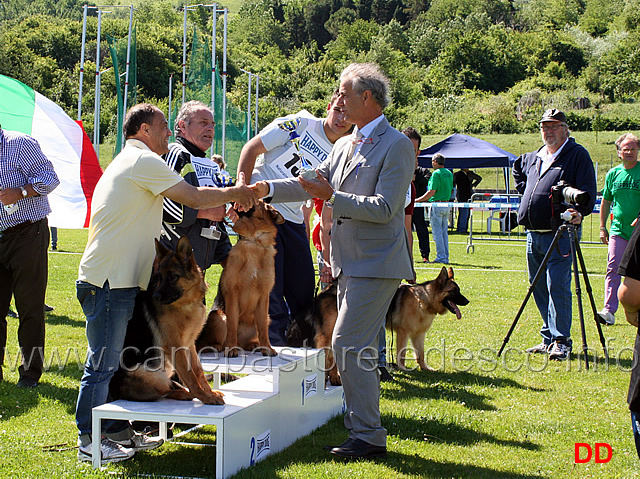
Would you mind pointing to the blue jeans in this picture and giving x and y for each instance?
(463, 220)
(552, 294)
(440, 230)
(108, 311)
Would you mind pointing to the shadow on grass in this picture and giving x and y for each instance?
(451, 386)
(424, 429)
(56, 320)
(17, 402)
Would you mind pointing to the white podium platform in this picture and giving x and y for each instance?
(281, 399)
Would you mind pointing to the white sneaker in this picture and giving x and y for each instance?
(109, 452)
(608, 317)
(140, 442)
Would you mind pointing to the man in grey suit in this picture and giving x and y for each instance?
(365, 180)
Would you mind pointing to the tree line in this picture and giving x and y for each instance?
(471, 66)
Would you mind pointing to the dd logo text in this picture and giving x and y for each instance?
(584, 452)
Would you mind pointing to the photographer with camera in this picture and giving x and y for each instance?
(536, 174)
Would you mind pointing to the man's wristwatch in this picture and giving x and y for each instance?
(331, 200)
(24, 191)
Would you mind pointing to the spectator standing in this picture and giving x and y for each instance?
(629, 296)
(440, 189)
(421, 177)
(620, 196)
(465, 181)
(535, 173)
(195, 129)
(26, 178)
(286, 146)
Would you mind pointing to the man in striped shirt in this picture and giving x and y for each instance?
(194, 129)
(26, 178)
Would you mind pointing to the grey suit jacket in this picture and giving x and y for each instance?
(368, 236)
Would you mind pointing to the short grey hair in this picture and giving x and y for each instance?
(625, 137)
(368, 76)
(186, 112)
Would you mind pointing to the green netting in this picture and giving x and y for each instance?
(118, 49)
(199, 88)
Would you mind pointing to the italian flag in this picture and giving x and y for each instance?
(63, 141)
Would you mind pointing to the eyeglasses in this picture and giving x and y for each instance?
(553, 127)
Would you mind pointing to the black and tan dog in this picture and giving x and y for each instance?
(161, 335)
(413, 308)
(410, 315)
(239, 318)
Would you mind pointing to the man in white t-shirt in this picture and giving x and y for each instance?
(126, 216)
(286, 146)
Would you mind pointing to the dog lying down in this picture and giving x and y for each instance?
(161, 335)
(410, 315)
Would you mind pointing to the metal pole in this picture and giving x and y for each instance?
(255, 129)
(213, 59)
(170, 98)
(126, 76)
(96, 113)
(224, 87)
(184, 55)
(84, 38)
(249, 107)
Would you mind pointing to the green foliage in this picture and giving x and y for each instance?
(505, 59)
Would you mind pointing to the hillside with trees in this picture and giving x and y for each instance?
(469, 66)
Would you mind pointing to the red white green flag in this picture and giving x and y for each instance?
(63, 141)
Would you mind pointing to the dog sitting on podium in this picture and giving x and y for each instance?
(410, 315)
(239, 318)
(161, 335)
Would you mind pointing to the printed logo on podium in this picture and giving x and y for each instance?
(309, 386)
(260, 446)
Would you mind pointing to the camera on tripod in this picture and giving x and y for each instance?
(563, 192)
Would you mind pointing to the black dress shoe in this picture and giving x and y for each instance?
(345, 443)
(27, 383)
(385, 376)
(359, 449)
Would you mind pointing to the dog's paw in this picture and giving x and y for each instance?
(231, 352)
(267, 351)
(334, 378)
(215, 398)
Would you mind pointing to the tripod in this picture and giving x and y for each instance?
(576, 254)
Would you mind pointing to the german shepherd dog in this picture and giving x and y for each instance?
(410, 315)
(160, 338)
(414, 307)
(240, 314)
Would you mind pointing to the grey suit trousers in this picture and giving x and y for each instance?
(362, 308)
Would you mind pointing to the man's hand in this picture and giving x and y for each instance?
(261, 189)
(318, 187)
(9, 196)
(576, 217)
(604, 235)
(212, 214)
(244, 196)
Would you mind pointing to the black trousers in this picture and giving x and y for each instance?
(422, 231)
(23, 275)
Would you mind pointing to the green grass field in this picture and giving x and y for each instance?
(475, 416)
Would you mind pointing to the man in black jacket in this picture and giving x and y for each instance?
(420, 181)
(194, 128)
(561, 158)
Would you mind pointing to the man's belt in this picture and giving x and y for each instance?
(15, 228)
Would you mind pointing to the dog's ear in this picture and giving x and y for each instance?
(161, 250)
(442, 278)
(275, 214)
(450, 271)
(184, 248)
